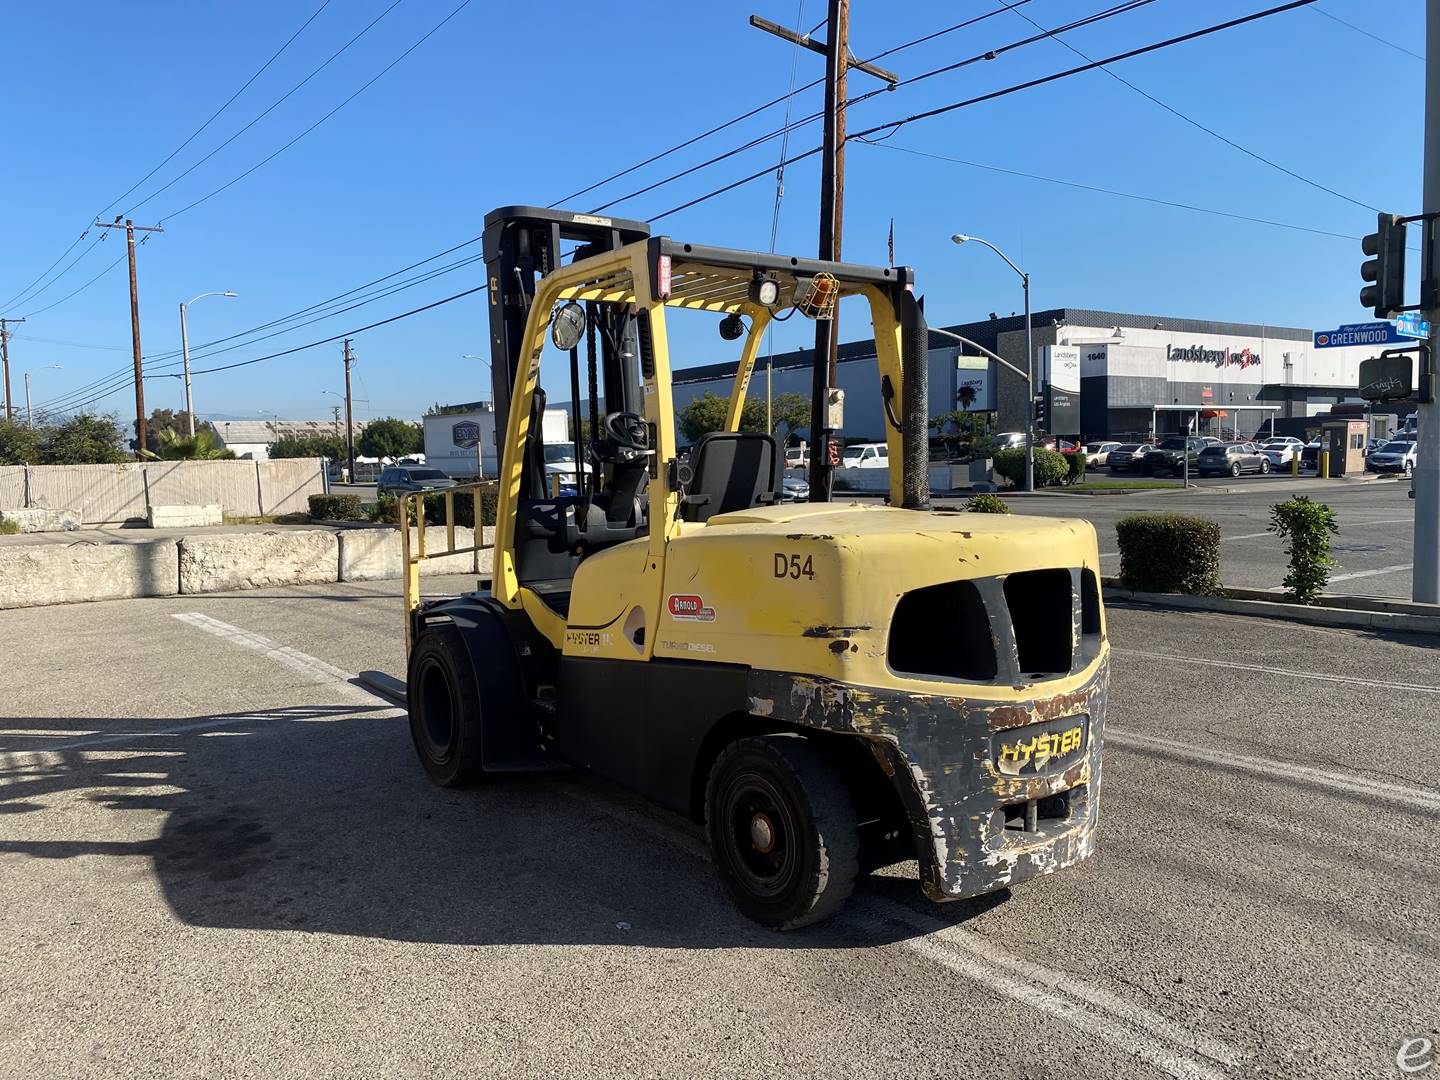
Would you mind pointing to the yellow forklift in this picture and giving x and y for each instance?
(831, 687)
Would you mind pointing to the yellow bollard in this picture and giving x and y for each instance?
(1324, 470)
(1294, 464)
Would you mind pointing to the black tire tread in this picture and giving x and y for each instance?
(468, 767)
(829, 805)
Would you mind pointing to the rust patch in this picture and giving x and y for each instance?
(832, 631)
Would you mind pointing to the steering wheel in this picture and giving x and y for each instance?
(627, 430)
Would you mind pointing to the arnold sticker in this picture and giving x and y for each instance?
(690, 608)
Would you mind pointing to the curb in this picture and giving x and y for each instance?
(1362, 613)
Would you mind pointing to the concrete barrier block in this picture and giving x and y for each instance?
(253, 560)
(374, 554)
(184, 517)
(34, 575)
(37, 519)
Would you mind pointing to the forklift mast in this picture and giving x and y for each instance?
(522, 244)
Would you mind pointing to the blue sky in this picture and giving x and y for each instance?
(519, 104)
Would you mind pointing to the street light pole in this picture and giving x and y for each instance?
(29, 417)
(961, 238)
(185, 354)
(1425, 583)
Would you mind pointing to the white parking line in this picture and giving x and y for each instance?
(1369, 573)
(1235, 665)
(1258, 535)
(319, 671)
(1134, 1029)
(1271, 769)
(1131, 1028)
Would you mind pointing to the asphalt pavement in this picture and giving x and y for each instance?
(218, 857)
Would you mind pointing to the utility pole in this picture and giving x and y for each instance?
(1425, 583)
(5, 354)
(141, 435)
(349, 413)
(838, 61)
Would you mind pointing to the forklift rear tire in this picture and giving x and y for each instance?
(782, 829)
(444, 701)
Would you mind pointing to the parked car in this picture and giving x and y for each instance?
(1232, 458)
(1310, 456)
(1396, 456)
(1051, 442)
(797, 457)
(1127, 457)
(1006, 440)
(1280, 452)
(1098, 453)
(408, 479)
(866, 456)
(560, 463)
(794, 489)
(1171, 454)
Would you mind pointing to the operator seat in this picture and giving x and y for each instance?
(733, 470)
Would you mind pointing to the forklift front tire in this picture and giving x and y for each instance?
(444, 701)
(782, 829)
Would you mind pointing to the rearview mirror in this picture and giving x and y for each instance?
(567, 326)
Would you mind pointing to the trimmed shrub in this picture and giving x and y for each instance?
(986, 503)
(1050, 466)
(337, 508)
(1306, 527)
(9, 528)
(1169, 553)
(385, 509)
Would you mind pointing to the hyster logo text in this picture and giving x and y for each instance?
(690, 608)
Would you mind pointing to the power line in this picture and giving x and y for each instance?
(772, 103)
(992, 95)
(1196, 123)
(266, 160)
(273, 106)
(988, 54)
(1367, 33)
(347, 333)
(67, 344)
(1110, 191)
(25, 292)
(84, 392)
(77, 292)
(228, 102)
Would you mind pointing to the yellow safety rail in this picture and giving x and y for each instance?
(411, 556)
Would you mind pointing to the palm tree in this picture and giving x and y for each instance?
(202, 446)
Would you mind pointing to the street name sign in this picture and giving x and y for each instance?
(1370, 333)
(1410, 324)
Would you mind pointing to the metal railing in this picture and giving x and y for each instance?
(412, 555)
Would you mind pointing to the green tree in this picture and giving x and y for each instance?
(82, 440)
(389, 437)
(707, 413)
(790, 410)
(202, 446)
(326, 446)
(19, 444)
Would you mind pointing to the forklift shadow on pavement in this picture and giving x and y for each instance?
(318, 819)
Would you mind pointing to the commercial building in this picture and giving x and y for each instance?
(1100, 374)
(252, 439)
(457, 437)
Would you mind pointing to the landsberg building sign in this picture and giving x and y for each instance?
(1225, 357)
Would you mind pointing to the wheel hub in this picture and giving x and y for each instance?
(762, 833)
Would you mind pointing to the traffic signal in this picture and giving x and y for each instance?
(1387, 269)
(1042, 410)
